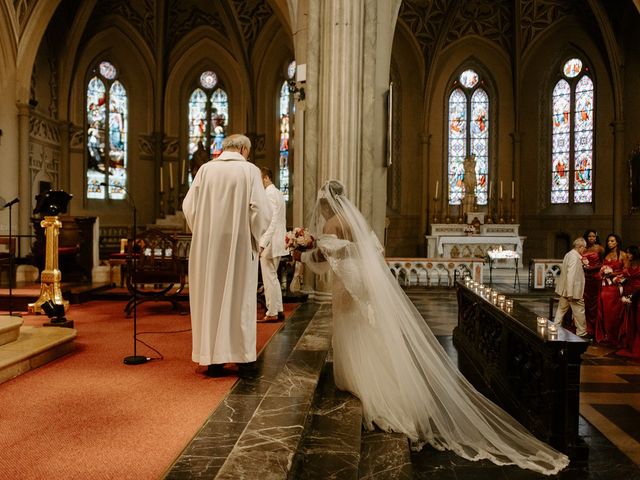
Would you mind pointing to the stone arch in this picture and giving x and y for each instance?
(29, 43)
(196, 52)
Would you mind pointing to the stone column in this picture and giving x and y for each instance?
(24, 178)
(349, 52)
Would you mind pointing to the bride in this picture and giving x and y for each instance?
(386, 355)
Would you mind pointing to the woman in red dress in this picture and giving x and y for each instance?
(592, 259)
(610, 306)
(630, 330)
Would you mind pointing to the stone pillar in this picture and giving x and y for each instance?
(619, 173)
(349, 51)
(24, 178)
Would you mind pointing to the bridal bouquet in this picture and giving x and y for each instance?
(298, 239)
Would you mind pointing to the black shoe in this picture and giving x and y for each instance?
(280, 315)
(247, 370)
(216, 370)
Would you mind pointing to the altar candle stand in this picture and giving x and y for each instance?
(447, 219)
(500, 211)
(436, 213)
(513, 210)
(51, 276)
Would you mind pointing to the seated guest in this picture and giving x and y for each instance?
(629, 338)
(610, 305)
(592, 259)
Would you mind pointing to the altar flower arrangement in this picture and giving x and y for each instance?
(298, 239)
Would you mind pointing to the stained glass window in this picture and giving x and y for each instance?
(283, 118)
(572, 135)
(208, 116)
(468, 134)
(107, 128)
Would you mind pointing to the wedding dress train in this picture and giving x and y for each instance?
(386, 355)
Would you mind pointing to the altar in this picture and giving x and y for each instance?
(451, 240)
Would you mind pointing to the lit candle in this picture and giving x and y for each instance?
(170, 175)
(490, 189)
(184, 166)
(161, 181)
(513, 190)
(500, 189)
(437, 188)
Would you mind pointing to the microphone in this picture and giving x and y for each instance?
(12, 202)
(105, 184)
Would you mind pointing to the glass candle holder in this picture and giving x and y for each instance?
(508, 303)
(553, 328)
(541, 321)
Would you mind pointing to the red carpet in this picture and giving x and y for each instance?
(88, 416)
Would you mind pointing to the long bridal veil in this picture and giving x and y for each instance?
(386, 355)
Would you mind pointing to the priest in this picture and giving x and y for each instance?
(227, 211)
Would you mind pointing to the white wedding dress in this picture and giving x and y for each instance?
(386, 355)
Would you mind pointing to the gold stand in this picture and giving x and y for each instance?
(500, 211)
(513, 211)
(436, 215)
(171, 202)
(51, 275)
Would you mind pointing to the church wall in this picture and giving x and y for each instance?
(404, 235)
(631, 102)
(133, 66)
(8, 119)
(541, 222)
(271, 57)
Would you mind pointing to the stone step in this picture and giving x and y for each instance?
(34, 347)
(330, 448)
(385, 456)
(9, 329)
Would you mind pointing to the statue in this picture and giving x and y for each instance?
(470, 175)
(199, 158)
(469, 180)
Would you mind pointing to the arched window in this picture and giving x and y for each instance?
(286, 107)
(572, 135)
(208, 116)
(468, 119)
(107, 129)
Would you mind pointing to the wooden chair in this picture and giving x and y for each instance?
(8, 259)
(156, 272)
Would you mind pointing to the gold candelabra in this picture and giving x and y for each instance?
(51, 276)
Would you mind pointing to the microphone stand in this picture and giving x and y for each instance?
(134, 359)
(11, 255)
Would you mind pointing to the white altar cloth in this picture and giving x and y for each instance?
(515, 242)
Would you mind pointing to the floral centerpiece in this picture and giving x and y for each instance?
(298, 239)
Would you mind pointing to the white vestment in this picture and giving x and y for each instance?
(274, 247)
(227, 211)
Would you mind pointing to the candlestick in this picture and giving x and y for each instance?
(184, 166)
(500, 189)
(170, 175)
(437, 188)
(490, 189)
(513, 190)
(161, 181)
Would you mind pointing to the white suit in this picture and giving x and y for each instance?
(227, 211)
(274, 247)
(570, 287)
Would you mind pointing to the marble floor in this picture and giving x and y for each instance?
(291, 422)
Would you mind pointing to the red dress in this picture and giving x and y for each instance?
(610, 309)
(592, 282)
(630, 329)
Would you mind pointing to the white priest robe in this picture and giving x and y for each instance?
(227, 211)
